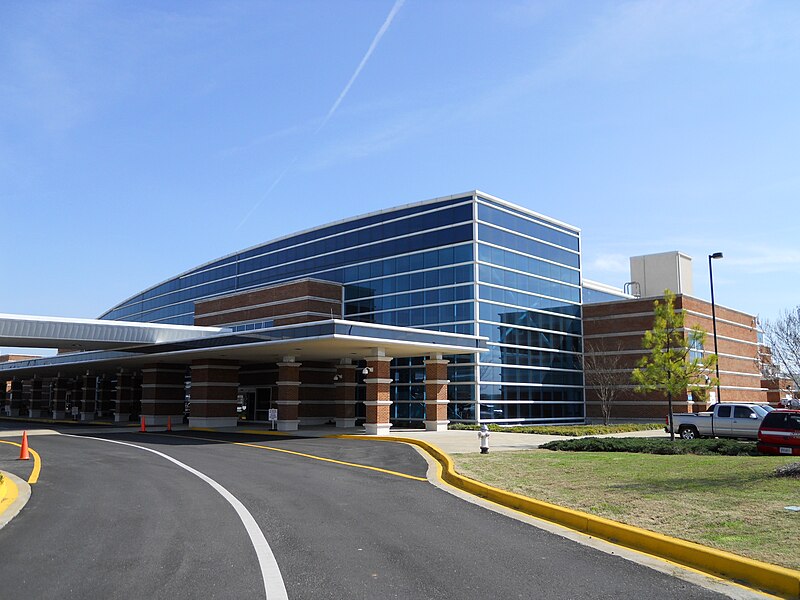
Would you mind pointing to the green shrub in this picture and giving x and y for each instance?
(568, 430)
(655, 446)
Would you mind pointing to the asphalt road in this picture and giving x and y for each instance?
(113, 521)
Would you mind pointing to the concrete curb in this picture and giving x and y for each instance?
(756, 574)
(14, 495)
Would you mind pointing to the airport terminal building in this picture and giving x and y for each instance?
(479, 271)
(464, 308)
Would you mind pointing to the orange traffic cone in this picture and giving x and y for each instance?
(169, 423)
(23, 451)
(142, 429)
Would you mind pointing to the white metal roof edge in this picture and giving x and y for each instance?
(104, 355)
(105, 323)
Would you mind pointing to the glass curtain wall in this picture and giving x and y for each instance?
(408, 267)
(529, 306)
(468, 265)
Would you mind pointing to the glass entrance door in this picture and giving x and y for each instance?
(262, 404)
(246, 403)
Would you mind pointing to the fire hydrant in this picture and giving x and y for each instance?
(483, 436)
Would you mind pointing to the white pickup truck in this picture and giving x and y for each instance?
(725, 419)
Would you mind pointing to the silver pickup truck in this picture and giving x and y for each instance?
(725, 419)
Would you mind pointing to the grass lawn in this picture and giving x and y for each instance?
(727, 502)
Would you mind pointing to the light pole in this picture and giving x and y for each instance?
(714, 314)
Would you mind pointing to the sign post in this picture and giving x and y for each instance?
(273, 417)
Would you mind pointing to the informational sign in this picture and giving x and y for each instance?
(273, 414)
(712, 397)
(689, 397)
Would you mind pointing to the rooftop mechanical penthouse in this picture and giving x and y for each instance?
(468, 264)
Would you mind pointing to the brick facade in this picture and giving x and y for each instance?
(300, 301)
(436, 394)
(89, 392)
(123, 402)
(377, 401)
(288, 397)
(346, 385)
(37, 406)
(618, 327)
(163, 393)
(214, 391)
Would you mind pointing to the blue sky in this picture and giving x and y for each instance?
(138, 140)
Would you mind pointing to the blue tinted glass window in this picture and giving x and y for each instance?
(525, 283)
(494, 294)
(528, 318)
(503, 334)
(527, 226)
(529, 357)
(487, 233)
(533, 376)
(527, 264)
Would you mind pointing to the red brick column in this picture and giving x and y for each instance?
(75, 398)
(136, 395)
(377, 400)
(346, 384)
(163, 391)
(436, 393)
(105, 396)
(88, 405)
(59, 399)
(37, 406)
(124, 397)
(215, 387)
(15, 399)
(288, 399)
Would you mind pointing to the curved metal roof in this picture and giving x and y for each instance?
(91, 334)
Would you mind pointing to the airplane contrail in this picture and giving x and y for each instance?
(392, 13)
(268, 192)
(397, 6)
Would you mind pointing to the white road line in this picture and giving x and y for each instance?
(274, 588)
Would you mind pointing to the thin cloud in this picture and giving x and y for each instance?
(609, 263)
(392, 13)
(387, 22)
(267, 193)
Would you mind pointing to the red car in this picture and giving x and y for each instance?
(780, 433)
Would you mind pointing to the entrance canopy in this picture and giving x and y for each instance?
(92, 334)
(327, 340)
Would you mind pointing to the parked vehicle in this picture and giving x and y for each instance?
(725, 419)
(780, 433)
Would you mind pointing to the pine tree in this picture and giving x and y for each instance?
(669, 368)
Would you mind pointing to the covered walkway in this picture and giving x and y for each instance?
(331, 371)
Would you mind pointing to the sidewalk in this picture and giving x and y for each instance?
(452, 442)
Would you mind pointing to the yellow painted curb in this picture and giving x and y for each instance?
(770, 578)
(37, 461)
(8, 493)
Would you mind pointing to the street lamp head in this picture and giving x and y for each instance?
(715, 255)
